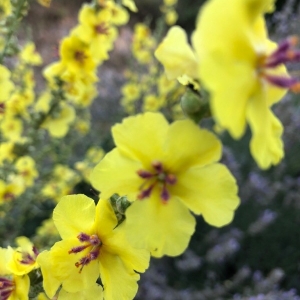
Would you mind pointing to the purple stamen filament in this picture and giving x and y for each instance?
(6, 288)
(91, 241)
(283, 54)
(157, 176)
(28, 259)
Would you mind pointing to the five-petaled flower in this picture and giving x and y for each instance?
(242, 69)
(91, 246)
(169, 170)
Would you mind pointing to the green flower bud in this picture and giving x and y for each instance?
(195, 105)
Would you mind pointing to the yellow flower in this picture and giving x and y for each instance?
(76, 55)
(6, 151)
(168, 170)
(22, 260)
(8, 191)
(12, 287)
(96, 30)
(27, 170)
(91, 246)
(242, 70)
(58, 126)
(152, 103)
(11, 128)
(5, 9)
(30, 56)
(6, 86)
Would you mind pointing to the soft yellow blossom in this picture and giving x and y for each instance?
(11, 128)
(152, 103)
(30, 56)
(76, 55)
(22, 260)
(63, 179)
(166, 170)
(15, 287)
(27, 170)
(91, 246)
(5, 8)
(58, 126)
(96, 30)
(240, 67)
(6, 85)
(6, 151)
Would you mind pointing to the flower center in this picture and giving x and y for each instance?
(157, 176)
(6, 288)
(89, 241)
(27, 258)
(283, 54)
(80, 56)
(101, 28)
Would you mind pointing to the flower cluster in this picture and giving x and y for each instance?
(164, 168)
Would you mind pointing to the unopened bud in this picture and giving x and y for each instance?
(194, 105)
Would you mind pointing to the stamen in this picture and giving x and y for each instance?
(35, 251)
(157, 166)
(144, 174)
(171, 179)
(83, 237)
(165, 195)
(101, 28)
(78, 249)
(145, 193)
(27, 259)
(283, 82)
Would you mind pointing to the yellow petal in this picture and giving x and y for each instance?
(22, 288)
(50, 283)
(106, 219)
(164, 229)
(5, 255)
(74, 214)
(117, 281)
(176, 54)
(133, 258)
(130, 4)
(65, 270)
(210, 191)
(95, 292)
(231, 85)
(141, 137)
(116, 174)
(266, 145)
(190, 146)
